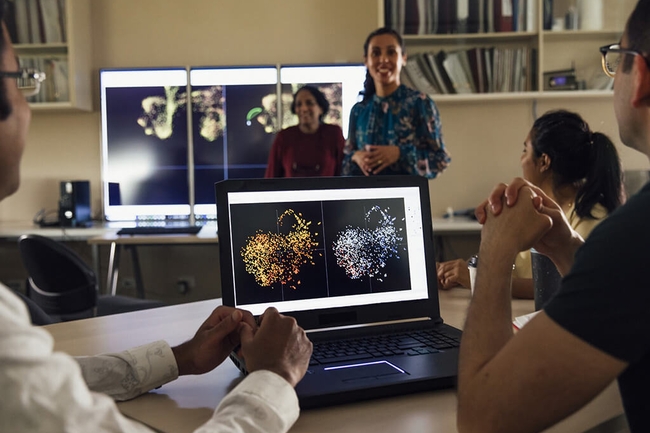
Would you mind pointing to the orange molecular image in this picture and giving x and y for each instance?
(276, 257)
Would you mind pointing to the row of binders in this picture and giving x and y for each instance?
(422, 17)
(36, 21)
(476, 70)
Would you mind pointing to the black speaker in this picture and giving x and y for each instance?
(74, 203)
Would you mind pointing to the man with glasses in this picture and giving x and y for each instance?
(42, 391)
(597, 328)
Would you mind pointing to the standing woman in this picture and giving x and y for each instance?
(311, 148)
(394, 129)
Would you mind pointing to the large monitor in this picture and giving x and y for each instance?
(234, 121)
(144, 144)
(168, 134)
(341, 84)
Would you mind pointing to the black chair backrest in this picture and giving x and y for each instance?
(36, 313)
(60, 282)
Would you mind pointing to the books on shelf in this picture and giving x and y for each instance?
(422, 17)
(475, 70)
(36, 21)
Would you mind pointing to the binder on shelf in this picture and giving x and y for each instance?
(475, 19)
(443, 82)
(422, 17)
(35, 24)
(456, 73)
(22, 22)
(503, 16)
(548, 14)
(489, 16)
(462, 16)
(51, 21)
(440, 59)
(447, 16)
(423, 64)
(475, 58)
(411, 18)
(531, 15)
(432, 17)
(63, 23)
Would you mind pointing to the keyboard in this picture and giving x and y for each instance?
(159, 230)
(401, 343)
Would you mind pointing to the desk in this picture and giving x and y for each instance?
(12, 230)
(183, 405)
(208, 234)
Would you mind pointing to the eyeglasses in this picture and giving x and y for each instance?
(612, 55)
(29, 80)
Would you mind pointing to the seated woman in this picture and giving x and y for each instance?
(311, 148)
(577, 168)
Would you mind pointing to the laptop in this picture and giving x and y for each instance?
(352, 259)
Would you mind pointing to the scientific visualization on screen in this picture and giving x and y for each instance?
(234, 124)
(168, 134)
(144, 143)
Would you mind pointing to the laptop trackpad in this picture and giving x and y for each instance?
(363, 371)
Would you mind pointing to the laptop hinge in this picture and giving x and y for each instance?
(373, 324)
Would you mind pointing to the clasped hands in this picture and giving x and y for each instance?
(277, 344)
(519, 216)
(373, 158)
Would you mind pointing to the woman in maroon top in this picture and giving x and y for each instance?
(311, 148)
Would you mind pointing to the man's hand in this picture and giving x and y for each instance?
(213, 342)
(279, 345)
(518, 227)
(453, 273)
(559, 243)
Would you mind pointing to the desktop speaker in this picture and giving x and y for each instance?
(74, 203)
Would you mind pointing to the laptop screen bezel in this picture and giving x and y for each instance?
(339, 316)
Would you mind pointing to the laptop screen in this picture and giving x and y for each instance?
(323, 244)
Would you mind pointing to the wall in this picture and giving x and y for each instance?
(485, 139)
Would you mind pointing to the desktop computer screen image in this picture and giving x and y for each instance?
(144, 144)
(340, 83)
(234, 122)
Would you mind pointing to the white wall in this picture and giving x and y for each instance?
(484, 138)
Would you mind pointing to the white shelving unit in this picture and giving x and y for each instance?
(76, 52)
(555, 50)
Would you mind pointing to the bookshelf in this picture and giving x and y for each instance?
(537, 47)
(54, 36)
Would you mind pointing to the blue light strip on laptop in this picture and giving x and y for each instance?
(363, 364)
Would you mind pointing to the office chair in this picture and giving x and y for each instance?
(37, 316)
(64, 286)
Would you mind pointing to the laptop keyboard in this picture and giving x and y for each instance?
(412, 343)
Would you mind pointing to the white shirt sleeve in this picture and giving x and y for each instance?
(128, 374)
(44, 391)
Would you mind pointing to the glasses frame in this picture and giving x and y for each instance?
(616, 48)
(26, 74)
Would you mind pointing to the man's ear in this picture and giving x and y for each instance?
(641, 93)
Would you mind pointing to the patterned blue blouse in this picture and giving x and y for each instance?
(405, 118)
